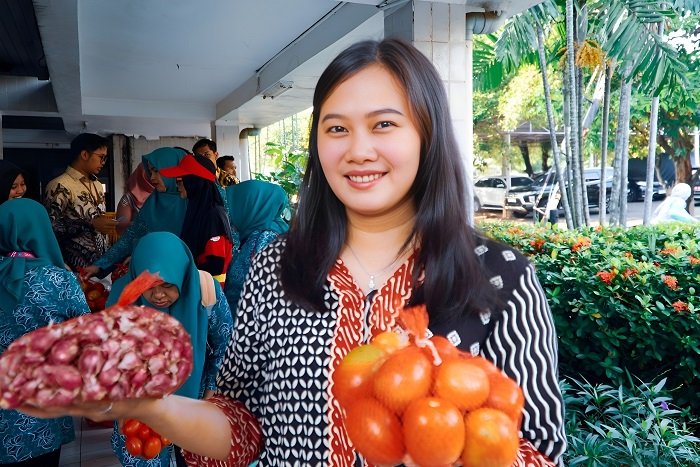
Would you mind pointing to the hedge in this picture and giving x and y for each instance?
(621, 300)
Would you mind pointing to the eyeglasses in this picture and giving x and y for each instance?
(103, 157)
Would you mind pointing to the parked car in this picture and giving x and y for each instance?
(521, 201)
(490, 192)
(637, 190)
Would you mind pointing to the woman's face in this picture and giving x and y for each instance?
(18, 188)
(368, 143)
(156, 179)
(162, 296)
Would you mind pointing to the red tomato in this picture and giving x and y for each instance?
(445, 348)
(131, 427)
(144, 432)
(134, 446)
(352, 378)
(404, 376)
(390, 341)
(152, 447)
(164, 441)
(506, 396)
(433, 431)
(460, 382)
(491, 439)
(485, 365)
(375, 432)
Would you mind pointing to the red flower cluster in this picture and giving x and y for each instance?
(671, 250)
(606, 276)
(581, 243)
(629, 272)
(537, 244)
(670, 281)
(680, 306)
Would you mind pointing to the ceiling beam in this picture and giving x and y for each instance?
(58, 26)
(339, 21)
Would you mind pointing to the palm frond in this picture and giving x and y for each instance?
(627, 27)
(692, 6)
(488, 71)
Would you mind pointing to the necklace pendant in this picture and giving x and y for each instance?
(371, 283)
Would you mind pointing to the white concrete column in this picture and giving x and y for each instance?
(229, 143)
(438, 30)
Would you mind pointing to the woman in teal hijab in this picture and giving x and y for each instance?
(36, 289)
(163, 211)
(200, 307)
(256, 210)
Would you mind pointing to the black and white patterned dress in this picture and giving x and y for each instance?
(280, 362)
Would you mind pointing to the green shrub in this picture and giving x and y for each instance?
(637, 426)
(291, 164)
(621, 299)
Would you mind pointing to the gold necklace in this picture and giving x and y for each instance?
(371, 285)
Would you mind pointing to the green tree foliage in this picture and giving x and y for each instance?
(522, 100)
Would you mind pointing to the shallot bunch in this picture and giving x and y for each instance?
(123, 352)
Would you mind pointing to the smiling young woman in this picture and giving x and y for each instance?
(381, 224)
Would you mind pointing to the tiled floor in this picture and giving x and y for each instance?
(91, 447)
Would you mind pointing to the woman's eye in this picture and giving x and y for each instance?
(384, 125)
(167, 286)
(336, 129)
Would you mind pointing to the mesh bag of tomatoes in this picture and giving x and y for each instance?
(423, 402)
(141, 440)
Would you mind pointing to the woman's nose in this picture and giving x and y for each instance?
(361, 147)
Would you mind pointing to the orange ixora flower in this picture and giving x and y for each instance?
(628, 254)
(693, 260)
(606, 276)
(670, 281)
(670, 250)
(680, 306)
(629, 272)
(514, 230)
(537, 244)
(581, 242)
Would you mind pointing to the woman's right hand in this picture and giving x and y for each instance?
(88, 271)
(97, 411)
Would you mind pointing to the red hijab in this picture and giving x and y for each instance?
(139, 186)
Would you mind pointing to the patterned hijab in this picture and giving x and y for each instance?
(24, 228)
(255, 205)
(167, 255)
(139, 186)
(164, 211)
(8, 174)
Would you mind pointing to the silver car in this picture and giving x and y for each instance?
(490, 192)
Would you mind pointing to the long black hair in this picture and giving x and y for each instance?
(454, 281)
(205, 216)
(8, 174)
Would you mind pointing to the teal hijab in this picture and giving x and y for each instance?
(164, 211)
(24, 227)
(255, 205)
(167, 255)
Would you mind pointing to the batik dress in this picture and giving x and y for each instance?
(53, 295)
(276, 379)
